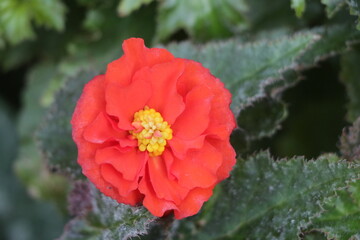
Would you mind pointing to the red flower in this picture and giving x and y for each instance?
(155, 129)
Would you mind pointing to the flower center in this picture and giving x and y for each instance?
(151, 131)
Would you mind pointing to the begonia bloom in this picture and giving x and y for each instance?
(154, 130)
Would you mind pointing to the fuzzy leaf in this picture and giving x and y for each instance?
(298, 6)
(54, 135)
(354, 6)
(350, 76)
(204, 19)
(128, 6)
(334, 39)
(107, 219)
(262, 118)
(332, 6)
(267, 199)
(341, 215)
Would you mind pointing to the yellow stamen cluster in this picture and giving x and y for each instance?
(151, 131)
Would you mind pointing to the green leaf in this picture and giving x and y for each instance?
(54, 135)
(350, 75)
(50, 13)
(298, 6)
(267, 199)
(340, 218)
(16, 17)
(29, 165)
(106, 219)
(332, 6)
(262, 118)
(128, 6)
(202, 20)
(354, 6)
(350, 142)
(16, 21)
(334, 39)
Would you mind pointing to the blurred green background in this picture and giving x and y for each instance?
(43, 42)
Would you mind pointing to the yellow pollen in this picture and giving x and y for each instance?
(151, 131)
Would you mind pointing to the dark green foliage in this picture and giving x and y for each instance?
(21, 217)
(333, 6)
(30, 167)
(262, 118)
(350, 75)
(354, 6)
(340, 218)
(54, 135)
(104, 218)
(298, 6)
(267, 199)
(204, 19)
(262, 50)
(350, 142)
(17, 17)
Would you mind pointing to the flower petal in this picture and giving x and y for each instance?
(111, 175)
(208, 157)
(194, 75)
(164, 187)
(123, 102)
(136, 56)
(180, 147)
(228, 155)
(193, 202)
(151, 201)
(165, 98)
(222, 119)
(102, 130)
(128, 163)
(195, 118)
(191, 174)
(89, 105)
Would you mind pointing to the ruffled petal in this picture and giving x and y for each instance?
(195, 118)
(90, 104)
(136, 56)
(154, 204)
(102, 130)
(168, 158)
(208, 157)
(191, 174)
(123, 102)
(129, 163)
(109, 190)
(228, 157)
(165, 98)
(222, 119)
(111, 175)
(180, 147)
(193, 76)
(193, 202)
(164, 187)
